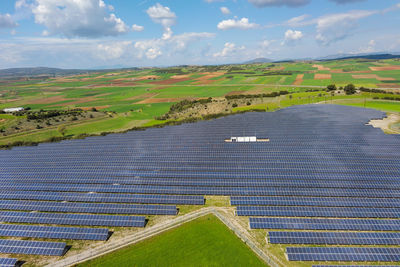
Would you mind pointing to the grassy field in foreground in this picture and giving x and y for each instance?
(203, 242)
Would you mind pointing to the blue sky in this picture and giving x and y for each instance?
(110, 33)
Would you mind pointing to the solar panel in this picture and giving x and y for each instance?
(32, 247)
(72, 219)
(13, 230)
(8, 262)
(315, 201)
(87, 207)
(104, 198)
(319, 162)
(334, 238)
(384, 254)
(325, 224)
(345, 212)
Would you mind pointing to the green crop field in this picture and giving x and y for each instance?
(203, 242)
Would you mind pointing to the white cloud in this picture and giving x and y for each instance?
(225, 10)
(370, 48)
(228, 50)
(6, 21)
(242, 24)
(299, 21)
(153, 53)
(113, 50)
(164, 16)
(291, 37)
(346, 1)
(265, 44)
(72, 18)
(20, 4)
(335, 27)
(154, 48)
(289, 3)
(137, 28)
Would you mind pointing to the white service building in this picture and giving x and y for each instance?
(10, 110)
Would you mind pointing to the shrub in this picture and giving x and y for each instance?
(331, 87)
(350, 89)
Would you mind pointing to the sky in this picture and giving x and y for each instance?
(89, 34)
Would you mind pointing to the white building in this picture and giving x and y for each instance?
(10, 110)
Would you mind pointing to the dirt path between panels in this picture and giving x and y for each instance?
(221, 213)
(386, 123)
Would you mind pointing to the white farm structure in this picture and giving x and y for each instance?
(11, 110)
(246, 139)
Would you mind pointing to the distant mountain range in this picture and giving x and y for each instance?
(374, 56)
(46, 72)
(364, 56)
(258, 60)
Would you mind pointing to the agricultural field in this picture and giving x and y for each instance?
(128, 99)
(203, 242)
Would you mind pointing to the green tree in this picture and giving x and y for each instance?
(350, 89)
(331, 87)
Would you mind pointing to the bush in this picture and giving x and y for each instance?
(234, 105)
(350, 89)
(331, 87)
(248, 103)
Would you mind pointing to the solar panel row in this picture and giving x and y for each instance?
(335, 212)
(304, 170)
(325, 224)
(72, 219)
(334, 238)
(315, 201)
(200, 190)
(103, 198)
(8, 262)
(343, 254)
(226, 182)
(13, 230)
(87, 207)
(32, 247)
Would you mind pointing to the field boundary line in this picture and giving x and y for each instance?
(266, 257)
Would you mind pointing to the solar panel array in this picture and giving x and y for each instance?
(322, 161)
(325, 224)
(32, 247)
(15, 230)
(8, 262)
(334, 238)
(72, 219)
(386, 254)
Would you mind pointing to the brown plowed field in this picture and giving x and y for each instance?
(320, 67)
(299, 79)
(207, 76)
(385, 68)
(373, 76)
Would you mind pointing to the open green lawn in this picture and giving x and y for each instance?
(203, 242)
